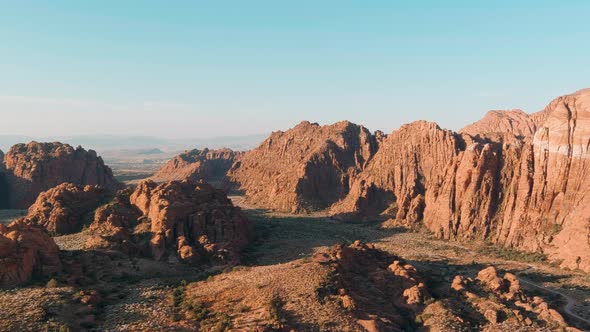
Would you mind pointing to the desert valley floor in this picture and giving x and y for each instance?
(318, 228)
(139, 295)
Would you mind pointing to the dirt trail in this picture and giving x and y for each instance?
(570, 301)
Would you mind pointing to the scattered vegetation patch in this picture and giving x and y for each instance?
(275, 308)
(511, 254)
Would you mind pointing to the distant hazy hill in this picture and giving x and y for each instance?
(150, 144)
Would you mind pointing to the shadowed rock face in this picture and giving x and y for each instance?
(62, 209)
(193, 222)
(308, 167)
(4, 188)
(36, 167)
(208, 165)
(26, 250)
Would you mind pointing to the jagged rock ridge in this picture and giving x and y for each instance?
(308, 167)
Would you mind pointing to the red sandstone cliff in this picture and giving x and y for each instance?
(36, 167)
(531, 194)
(208, 165)
(308, 167)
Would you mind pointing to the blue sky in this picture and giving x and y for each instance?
(214, 68)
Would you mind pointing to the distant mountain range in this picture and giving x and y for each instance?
(148, 143)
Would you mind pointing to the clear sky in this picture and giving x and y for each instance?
(209, 68)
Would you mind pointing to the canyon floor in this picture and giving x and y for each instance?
(140, 294)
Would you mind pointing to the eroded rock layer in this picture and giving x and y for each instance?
(189, 221)
(35, 167)
(308, 167)
(208, 165)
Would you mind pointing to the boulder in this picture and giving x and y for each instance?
(26, 251)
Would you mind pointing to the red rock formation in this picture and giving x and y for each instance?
(531, 194)
(514, 122)
(26, 250)
(62, 209)
(493, 296)
(191, 221)
(208, 165)
(538, 200)
(36, 167)
(381, 291)
(4, 187)
(305, 168)
(394, 182)
(119, 225)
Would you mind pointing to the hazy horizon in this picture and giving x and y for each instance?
(201, 70)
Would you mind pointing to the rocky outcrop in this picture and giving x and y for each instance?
(308, 167)
(120, 225)
(382, 292)
(499, 299)
(63, 209)
(189, 221)
(35, 167)
(26, 251)
(210, 166)
(4, 188)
